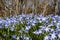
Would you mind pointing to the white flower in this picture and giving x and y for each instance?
(36, 32)
(28, 27)
(50, 25)
(47, 29)
(52, 30)
(26, 38)
(9, 21)
(54, 21)
(53, 36)
(38, 18)
(4, 35)
(46, 38)
(33, 24)
(57, 25)
(44, 19)
(34, 21)
(59, 35)
(43, 27)
(6, 25)
(17, 38)
(59, 21)
(40, 21)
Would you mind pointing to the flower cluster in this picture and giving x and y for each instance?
(31, 27)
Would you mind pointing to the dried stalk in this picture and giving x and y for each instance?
(29, 6)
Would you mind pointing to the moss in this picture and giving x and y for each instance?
(53, 27)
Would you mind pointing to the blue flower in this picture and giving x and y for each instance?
(57, 25)
(6, 25)
(14, 36)
(0, 26)
(38, 32)
(1, 22)
(4, 35)
(12, 28)
(56, 16)
(28, 27)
